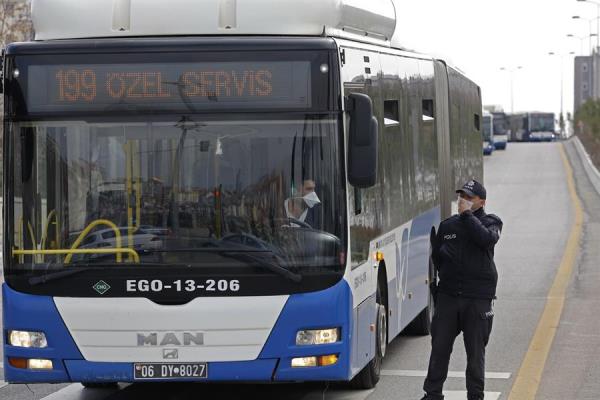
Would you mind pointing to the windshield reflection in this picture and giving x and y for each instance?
(186, 191)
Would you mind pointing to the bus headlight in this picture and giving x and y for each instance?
(30, 363)
(39, 364)
(316, 361)
(27, 339)
(317, 336)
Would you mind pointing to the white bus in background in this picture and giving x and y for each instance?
(535, 127)
(501, 127)
(295, 159)
(488, 133)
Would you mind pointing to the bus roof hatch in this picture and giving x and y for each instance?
(373, 20)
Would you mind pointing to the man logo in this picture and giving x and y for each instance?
(170, 339)
(170, 354)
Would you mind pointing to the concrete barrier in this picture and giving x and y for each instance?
(590, 170)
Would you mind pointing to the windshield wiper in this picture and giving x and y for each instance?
(210, 250)
(245, 254)
(271, 265)
(73, 269)
(38, 280)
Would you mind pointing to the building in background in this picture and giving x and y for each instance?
(584, 80)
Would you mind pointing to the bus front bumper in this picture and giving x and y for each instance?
(331, 307)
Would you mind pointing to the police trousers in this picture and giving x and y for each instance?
(453, 315)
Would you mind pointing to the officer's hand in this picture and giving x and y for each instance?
(464, 205)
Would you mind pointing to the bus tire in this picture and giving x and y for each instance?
(368, 377)
(99, 385)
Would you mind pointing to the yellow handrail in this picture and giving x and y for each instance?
(70, 252)
(19, 240)
(87, 230)
(20, 235)
(128, 189)
(45, 236)
(31, 234)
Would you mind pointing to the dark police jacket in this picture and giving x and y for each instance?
(463, 254)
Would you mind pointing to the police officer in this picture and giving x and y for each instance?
(463, 254)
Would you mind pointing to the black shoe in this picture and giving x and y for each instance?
(431, 397)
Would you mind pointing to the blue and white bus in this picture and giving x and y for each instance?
(223, 191)
(501, 126)
(488, 136)
(534, 127)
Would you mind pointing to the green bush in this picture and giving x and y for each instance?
(587, 118)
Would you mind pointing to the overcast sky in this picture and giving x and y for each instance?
(481, 36)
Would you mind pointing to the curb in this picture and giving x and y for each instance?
(590, 170)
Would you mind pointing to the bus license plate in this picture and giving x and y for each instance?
(148, 371)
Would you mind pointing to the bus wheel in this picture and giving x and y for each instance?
(99, 385)
(369, 376)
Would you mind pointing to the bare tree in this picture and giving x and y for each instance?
(15, 21)
(15, 26)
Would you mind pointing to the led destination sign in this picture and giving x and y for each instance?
(174, 86)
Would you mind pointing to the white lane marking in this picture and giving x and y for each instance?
(76, 391)
(462, 395)
(2, 384)
(339, 395)
(451, 374)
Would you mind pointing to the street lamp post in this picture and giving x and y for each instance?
(511, 71)
(589, 20)
(597, 20)
(562, 56)
(581, 39)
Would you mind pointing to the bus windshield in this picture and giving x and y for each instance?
(195, 191)
(542, 123)
(500, 124)
(196, 162)
(487, 127)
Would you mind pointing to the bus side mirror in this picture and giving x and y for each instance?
(362, 141)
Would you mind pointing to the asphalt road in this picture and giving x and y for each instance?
(527, 188)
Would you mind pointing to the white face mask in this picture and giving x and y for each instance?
(467, 204)
(311, 199)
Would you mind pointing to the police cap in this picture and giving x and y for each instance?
(473, 188)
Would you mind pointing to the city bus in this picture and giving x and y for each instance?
(237, 191)
(487, 132)
(534, 127)
(501, 130)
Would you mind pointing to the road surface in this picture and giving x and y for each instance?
(528, 188)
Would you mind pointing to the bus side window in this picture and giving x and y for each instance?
(428, 111)
(391, 113)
